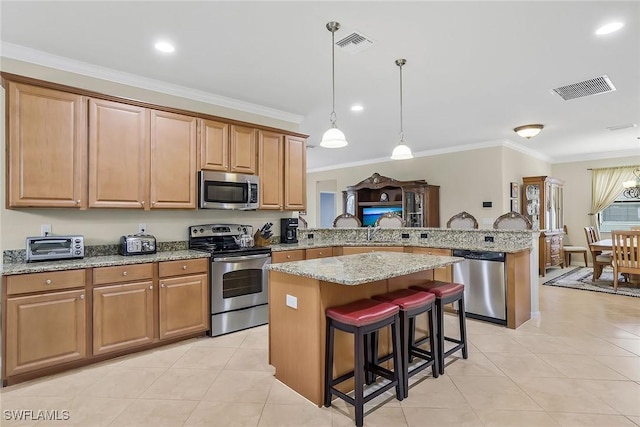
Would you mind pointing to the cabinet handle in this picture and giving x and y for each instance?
(151, 287)
(82, 296)
(162, 285)
(288, 256)
(47, 282)
(319, 253)
(184, 267)
(153, 203)
(78, 202)
(142, 203)
(124, 273)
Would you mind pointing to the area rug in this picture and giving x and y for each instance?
(580, 278)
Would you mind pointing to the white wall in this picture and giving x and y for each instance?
(466, 179)
(104, 226)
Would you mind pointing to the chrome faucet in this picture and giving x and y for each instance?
(371, 231)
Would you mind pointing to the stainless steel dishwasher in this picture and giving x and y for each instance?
(485, 287)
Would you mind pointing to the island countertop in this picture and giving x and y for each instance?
(363, 268)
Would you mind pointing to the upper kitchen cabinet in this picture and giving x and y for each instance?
(174, 145)
(227, 148)
(46, 147)
(140, 158)
(282, 171)
(118, 155)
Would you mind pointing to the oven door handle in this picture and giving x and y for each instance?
(241, 258)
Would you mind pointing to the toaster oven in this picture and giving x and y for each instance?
(47, 248)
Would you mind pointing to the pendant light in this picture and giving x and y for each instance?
(333, 138)
(402, 151)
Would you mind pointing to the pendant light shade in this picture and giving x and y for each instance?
(334, 137)
(402, 151)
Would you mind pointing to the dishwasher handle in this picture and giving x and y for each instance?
(480, 255)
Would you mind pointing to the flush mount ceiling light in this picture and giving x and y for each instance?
(609, 28)
(528, 131)
(402, 151)
(164, 47)
(334, 137)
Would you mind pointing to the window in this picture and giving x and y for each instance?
(622, 214)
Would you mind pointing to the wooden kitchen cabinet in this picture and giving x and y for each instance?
(141, 158)
(123, 312)
(118, 155)
(286, 256)
(242, 150)
(48, 328)
(184, 298)
(318, 253)
(214, 145)
(282, 171)
(46, 147)
(174, 143)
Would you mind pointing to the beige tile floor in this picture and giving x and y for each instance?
(578, 364)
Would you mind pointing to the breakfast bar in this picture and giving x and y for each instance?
(301, 291)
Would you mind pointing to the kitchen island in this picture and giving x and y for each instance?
(301, 291)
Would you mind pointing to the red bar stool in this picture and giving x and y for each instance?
(413, 303)
(362, 318)
(446, 293)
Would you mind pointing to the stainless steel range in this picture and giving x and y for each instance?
(237, 276)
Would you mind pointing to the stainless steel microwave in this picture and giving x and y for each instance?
(221, 190)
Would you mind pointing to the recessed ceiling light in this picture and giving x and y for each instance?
(357, 107)
(609, 28)
(165, 47)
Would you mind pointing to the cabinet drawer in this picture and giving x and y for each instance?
(180, 267)
(286, 256)
(122, 273)
(54, 280)
(319, 253)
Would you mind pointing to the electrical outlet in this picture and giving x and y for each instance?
(142, 228)
(45, 229)
(309, 235)
(292, 301)
(423, 235)
(488, 239)
(405, 235)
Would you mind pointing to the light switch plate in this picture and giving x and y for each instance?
(45, 229)
(292, 301)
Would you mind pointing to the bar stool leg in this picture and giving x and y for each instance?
(358, 353)
(463, 328)
(437, 361)
(397, 363)
(328, 363)
(440, 334)
(405, 345)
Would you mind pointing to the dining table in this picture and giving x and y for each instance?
(600, 246)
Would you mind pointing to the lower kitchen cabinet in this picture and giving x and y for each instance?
(444, 274)
(286, 256)
(184, 300)
(122, 316)
(44, 330)
(349, 250)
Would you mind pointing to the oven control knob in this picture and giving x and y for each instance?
(195, 230)
(202, 230)
(77, 240)
(78, 252)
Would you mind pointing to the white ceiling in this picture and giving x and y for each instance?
(475, 70)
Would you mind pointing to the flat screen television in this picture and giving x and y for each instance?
(371, 214)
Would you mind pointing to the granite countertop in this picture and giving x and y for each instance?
(99, 261)
(363, 268)
(508, 247)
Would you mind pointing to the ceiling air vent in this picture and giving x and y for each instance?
(354, 42)
(594, 86)
(624, 126)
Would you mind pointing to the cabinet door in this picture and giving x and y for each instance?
(270, 169)
(118, 155)
(47, 146)
(214, 145)
(184, 305)
(45, 330)
(295, 174)
(122, 316)
(243, 150)
(173, 160)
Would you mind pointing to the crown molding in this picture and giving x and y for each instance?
(25, 54)
(596, 156)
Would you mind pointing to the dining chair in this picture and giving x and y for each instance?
(462, 220)
(512, 221)
(389, 220)
(570, 249)
(346, 220)
(600, 259)
(625, 254)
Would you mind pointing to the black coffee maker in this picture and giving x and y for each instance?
(288, 230)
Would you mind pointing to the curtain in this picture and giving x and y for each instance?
(606, 186)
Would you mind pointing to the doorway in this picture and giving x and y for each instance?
(327, 209)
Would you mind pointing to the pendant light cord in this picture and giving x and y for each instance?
(332, 116)
(401, 128)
